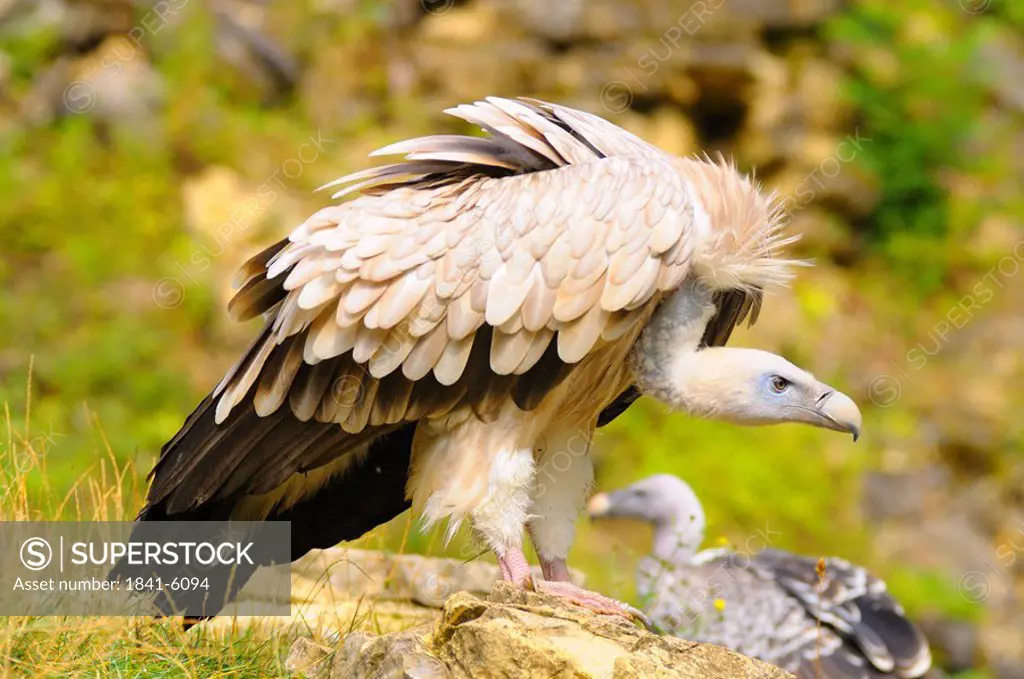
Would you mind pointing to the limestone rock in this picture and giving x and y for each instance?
(117, 84)
(551, 21)
(77, 22)
(352, 589)
(308, 657)
(522, 634)
(427, 581)
(786, 14)
(401, 654)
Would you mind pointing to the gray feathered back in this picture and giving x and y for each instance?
(773, 605)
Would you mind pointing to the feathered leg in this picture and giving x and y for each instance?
(562, 479)
(563, 476)
(470, 472)
(500, 518)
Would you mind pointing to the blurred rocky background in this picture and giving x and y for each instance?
(147, 148)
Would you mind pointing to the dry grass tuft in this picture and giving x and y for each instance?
(104, 647)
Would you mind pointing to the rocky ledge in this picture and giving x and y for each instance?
(512, 633)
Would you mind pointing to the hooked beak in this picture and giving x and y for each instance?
(598, 506)
(839, 413)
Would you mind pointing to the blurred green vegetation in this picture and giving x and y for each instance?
(921, 91)
(92, 218)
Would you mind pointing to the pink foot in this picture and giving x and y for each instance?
(592, 601)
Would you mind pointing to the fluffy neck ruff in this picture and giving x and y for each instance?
(745, 227)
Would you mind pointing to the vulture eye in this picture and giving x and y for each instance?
(779, 384)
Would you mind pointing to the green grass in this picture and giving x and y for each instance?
(104, 647)
(111, 648)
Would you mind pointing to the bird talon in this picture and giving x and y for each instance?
(638, 616)
(592, 601)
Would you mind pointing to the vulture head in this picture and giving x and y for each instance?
(731, 384)
(664, 501)
(754, 387)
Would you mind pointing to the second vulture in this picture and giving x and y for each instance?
(819, 620)
(470, 313)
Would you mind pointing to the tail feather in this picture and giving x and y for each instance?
(370, 491)
(903, 642)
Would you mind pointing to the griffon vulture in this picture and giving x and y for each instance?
(772, 605)
(472, 311)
